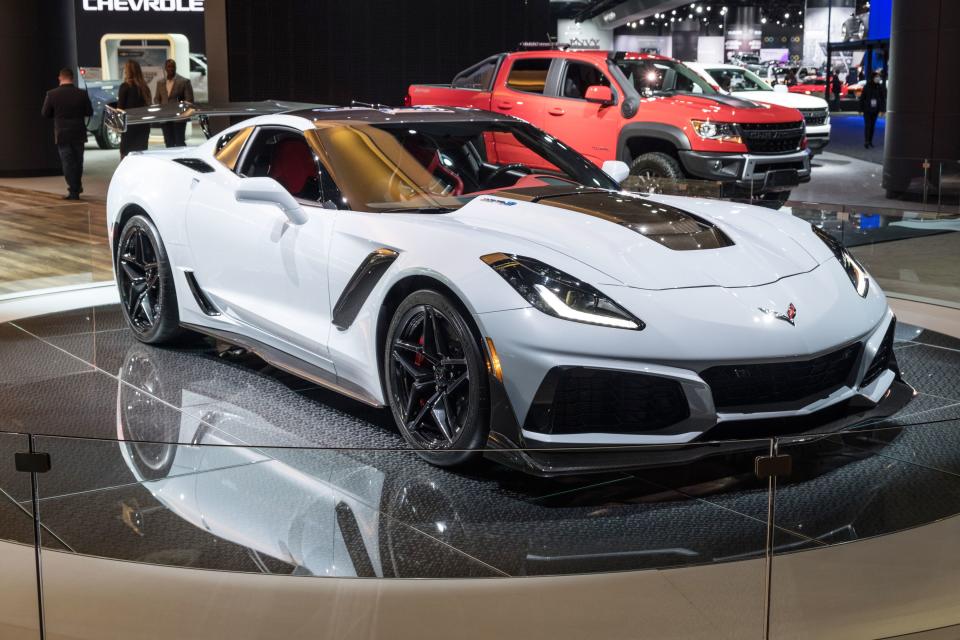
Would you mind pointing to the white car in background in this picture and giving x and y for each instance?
(744, 83)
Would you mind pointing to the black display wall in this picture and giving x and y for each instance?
(334, 51)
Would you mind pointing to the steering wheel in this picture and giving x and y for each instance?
(513, 166)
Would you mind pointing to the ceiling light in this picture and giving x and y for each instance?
(641, 20)
(763, 21)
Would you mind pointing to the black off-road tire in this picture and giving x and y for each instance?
(656, 164)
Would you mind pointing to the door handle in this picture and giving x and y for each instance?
(504, 105)
(556, 111)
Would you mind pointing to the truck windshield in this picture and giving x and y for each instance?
(442, 165)
(653, 77)
(738, 79)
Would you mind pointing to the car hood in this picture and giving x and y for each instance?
(785, 99)
(725, 108)
(651, 242)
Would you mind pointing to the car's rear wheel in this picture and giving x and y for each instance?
(435, 375)
(145, 280)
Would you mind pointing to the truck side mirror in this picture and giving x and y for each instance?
(599, 94)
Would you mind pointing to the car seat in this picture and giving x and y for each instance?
(292, 165)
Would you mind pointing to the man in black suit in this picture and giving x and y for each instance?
(173, 88)
(69, 106)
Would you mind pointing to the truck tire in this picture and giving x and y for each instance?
(106, 137)
(656, 164)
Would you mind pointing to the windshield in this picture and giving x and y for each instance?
(738, 80)
(441, 166)
(652, 77)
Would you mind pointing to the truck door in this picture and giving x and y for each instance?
(589, 127)
(521, 94)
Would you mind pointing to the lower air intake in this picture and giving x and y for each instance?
(583, 400)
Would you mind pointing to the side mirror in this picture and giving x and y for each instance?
(780, 88)
(269, 191)
(616, 169)
(599, 94)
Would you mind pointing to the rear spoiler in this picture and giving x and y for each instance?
(119, 119)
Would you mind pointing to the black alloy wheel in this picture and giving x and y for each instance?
(436, 380)
(145, 281)
(139, 280)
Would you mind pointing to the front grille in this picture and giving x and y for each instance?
(881, 361)
(746, 385)
(814, 117)
(600, 401)
(774, 137)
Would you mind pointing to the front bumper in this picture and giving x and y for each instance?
(521, 436)
(747, 173)
(580, 460)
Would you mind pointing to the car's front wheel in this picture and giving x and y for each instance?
(145, 280)
(106, 137)
(435, 375)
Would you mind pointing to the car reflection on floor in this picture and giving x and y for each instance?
(354, 512)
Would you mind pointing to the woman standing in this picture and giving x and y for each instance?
(133, 93)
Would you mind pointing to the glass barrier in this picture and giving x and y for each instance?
(198, 528)
(912, 254)
(879, 508)
(19, 613)
(672, 187)
(47, 242)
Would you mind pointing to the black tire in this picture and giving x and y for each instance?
(148, 296)
(106, 137)
(435, 377)
(656, 164)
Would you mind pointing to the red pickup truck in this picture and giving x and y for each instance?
(649, 111)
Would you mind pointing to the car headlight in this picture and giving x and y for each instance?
(722, 131)
(855, 271)
(559, 294)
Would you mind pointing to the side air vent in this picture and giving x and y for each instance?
(881, 360)
(361, 283)
(202, 300)
(195, 163)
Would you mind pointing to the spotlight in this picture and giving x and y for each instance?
(674, 12)
(763, 21)
(641, 21)
(786, 15)
(699, 9)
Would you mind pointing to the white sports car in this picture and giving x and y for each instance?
(523, 309)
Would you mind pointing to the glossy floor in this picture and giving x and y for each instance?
(258, 471)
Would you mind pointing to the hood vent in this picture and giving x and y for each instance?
(665, 224)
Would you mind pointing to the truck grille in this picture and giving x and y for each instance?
(745, 385)
(776, 137)
(814, 117)
(601, 401)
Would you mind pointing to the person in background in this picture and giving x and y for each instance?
(836, 86)
(873, 103)
(173, 88)
(852, 76)
(69, 106)
(133, 93)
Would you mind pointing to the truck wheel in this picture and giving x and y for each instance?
(106, 137)
(656, 164)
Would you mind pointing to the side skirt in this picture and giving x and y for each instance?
(290, 364)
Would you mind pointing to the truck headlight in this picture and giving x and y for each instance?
(559, 294)
(722, 131)
(855, 271)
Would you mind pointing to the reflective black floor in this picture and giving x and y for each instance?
(262, 472)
